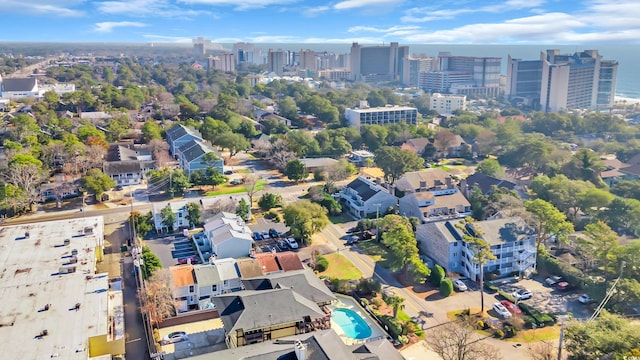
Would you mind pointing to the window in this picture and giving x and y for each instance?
(225, 283)
(191, 288)
(214, 288)
(179, 214)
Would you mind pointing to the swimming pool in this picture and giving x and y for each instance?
(351, 323)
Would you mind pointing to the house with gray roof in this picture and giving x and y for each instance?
(15, 88)
(318, 163)
(485, 183)
(362, 198)
(193, 157)
(180, 135)
(219, 276)
(225, 236)
(427, 206)
(126, 164)
(303, 281)
(510, 239)
(179, 208)
(255, 316)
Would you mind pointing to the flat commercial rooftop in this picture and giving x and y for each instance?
(52, 300)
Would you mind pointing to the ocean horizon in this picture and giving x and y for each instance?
(627, 82)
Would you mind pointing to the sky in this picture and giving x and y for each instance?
(314, 21)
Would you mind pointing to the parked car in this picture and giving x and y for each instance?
(459, 285)
(292, 243)
(584, 299)
(552, 280)
(352, 230)
(174, 337)
(236, 182)
(118, 188)
(273, 233)
(352, 240)
(265, 234)
(513, 308)
(366, 235)
(522, 294)
(563, 285)
(228, 172)
(283, 244)
(257, 235)
(501, 310)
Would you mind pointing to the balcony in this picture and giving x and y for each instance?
(524, 255)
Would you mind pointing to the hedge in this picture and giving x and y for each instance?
(392, 324)
(446, 287)
(507, 296)
(321, 263)
(540, 318)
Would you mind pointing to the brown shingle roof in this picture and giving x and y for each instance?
(182, 275)
(249, 268)
(267, 262)
(289, 261)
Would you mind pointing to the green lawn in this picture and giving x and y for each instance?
(228, 189)
(380, 254)
(405, 317)
(340, 268)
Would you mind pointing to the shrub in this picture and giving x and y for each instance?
(436, 276)
(499, 334)
(509, 331)
(318, 174)
(269, 201)
(368, 286)
(446, 287)
(392, 325)
(490, 289)
(506, 296)
(377, 301)
(480, 324)
(403, 339)
(322, 264)
(341, 286)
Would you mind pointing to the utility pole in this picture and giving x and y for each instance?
(377, 221)
(608, 296)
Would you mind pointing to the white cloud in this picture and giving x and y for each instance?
(353, 4)
(164, 38)
(391, 29)
(315, 11)
(274, 39)
(108, 26)
(62, 8)
(142, 8)
(431, 13)
(239, 4)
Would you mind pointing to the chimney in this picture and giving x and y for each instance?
(300, 350)
(252, 253)
(212, 259)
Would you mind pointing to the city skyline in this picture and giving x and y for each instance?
(342, 21)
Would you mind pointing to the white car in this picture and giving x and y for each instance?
(459, 285)
(584, 299)
(292, 243)
(522, 294)
(501, 310)
(174, 337)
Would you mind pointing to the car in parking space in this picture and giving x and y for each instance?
(118, 188)
(459, 285)
(552, 280)
(522, 294)
(283, 244)
(585, 299)
(513, 308)
(174, 337)
(292, 243)
(352, 240)
(257, 235)
(501, 310)
(228, 172)
(366, 235)
(265, 234)
(274, 233)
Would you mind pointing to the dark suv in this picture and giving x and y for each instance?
(273, 233)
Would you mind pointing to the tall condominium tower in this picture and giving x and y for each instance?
(276, 59)
(464, 75)
(377, 63)
(413, 66)
(555, 82)
(307, 59)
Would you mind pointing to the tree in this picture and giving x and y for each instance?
(437, 275)
(397, 303)
(337, 172)
(150, 263)
(179, 182)
(157, 299)
(602, 241)
(446, 287)
(622, 214)
(374, 136)
(151, 131)
(243, 209)
(25, 173)
(233, 142)
(143, 223)
(458, 341)
(193, 213)
(288, 108)
(250, 183)
(394, 162)
(490, 167)
(296, 170)
(402, 243)
(482, 254)
(548, 220)
(97, 182)
(168, 217)
(305, 219)
(609, 336)
(269, 201)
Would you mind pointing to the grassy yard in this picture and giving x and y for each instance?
(405, 317)
(380, 254)
(227, 189)
(340, 268)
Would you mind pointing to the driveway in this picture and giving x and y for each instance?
(546, 299)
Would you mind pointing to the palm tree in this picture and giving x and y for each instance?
(482, 254)
(397, 303)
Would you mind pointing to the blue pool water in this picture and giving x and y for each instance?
(351, 323)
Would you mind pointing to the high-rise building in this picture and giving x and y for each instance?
(307, 59)
(555, 82)
(412, 68)
(365, 115)
(200, 45)
(247, 53)
(223, 62)
(464, 75)
(377, 63)
(276, 59)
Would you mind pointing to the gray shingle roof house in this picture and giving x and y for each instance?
(362, 197)
(18, 87)
(303, 281)
(127, 165)
(484, 183)
(191, 156)
(180, 135)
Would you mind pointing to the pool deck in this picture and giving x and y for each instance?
(346, 302)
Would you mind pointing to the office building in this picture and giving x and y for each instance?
(412, 68)
(223, 62)
(377, 63)
(463, 75)
(276, 60)
(556, 82)
(447, 103)
(389, 114)
(247, 53)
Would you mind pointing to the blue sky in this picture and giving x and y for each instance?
(308, 21)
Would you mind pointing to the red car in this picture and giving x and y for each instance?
(513, 308)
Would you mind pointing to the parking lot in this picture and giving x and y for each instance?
(172, 250)
(269, 244)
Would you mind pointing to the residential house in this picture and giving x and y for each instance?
(193, 157)
(288, 261)
(416, 145)
(255, 316)
(450, 146)
(510, 239)
(612, 174)
(219, 276)
(268, 262)
(57, 191)
(433, 180)
(249, 267)
(226, 236)
(318, 163)
(427, 206)
(179, 208)
(359, 157)
(15, 88)
(304, 281)
(180, 135)
(362, 198)
(126, 164)
(483, 182)
(183, 287)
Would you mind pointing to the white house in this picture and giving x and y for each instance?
(510, 240)
(427, 206)
(227, 236)
(179, 208)
(127, 165)
(359, 157)
(447, 103)
(362, 198)
(183, 287)
(15, 88)
(219, 277)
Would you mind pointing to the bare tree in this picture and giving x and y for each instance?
(95, 155)
(280, 153)
(27, 177)
(250, 186)
(157, 300)
(458, 341)
(543, 351)
(443, 140)
(160, 150)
